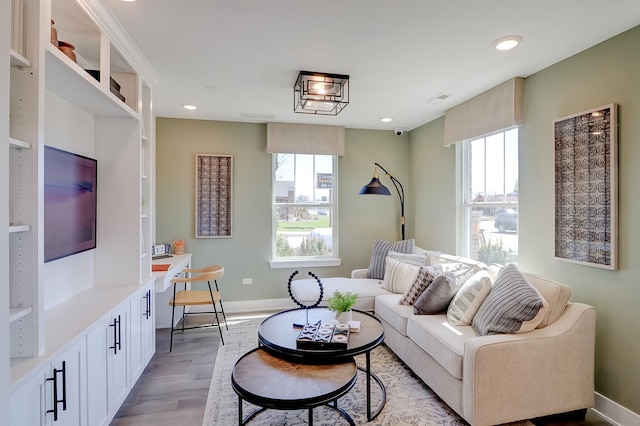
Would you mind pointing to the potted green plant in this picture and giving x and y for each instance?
(341, 302)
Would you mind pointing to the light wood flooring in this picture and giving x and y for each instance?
(172, 390)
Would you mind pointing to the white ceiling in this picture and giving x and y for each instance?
(237, 60)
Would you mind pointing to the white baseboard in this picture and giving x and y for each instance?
(606, 408)
(614, 413)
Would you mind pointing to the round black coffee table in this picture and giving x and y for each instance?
(269, 381)
(278, 334)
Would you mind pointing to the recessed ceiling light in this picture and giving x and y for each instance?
(507, 42)
(189, 107)
(128, 1)
(386, 119)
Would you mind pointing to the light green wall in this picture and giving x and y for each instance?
(362, 219)
(433, 188)
(604, 74)
(607, 73)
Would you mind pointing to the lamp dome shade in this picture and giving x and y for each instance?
(375, 187)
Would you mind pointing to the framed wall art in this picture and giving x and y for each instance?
(586, 187)
(214, 176)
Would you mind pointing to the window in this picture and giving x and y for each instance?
(490, 198)
(304, 210)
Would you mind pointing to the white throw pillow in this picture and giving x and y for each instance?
(398, 276)
(469, 298)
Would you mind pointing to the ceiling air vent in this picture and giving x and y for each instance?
(439, 98)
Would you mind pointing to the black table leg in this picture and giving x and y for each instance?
(383, 390)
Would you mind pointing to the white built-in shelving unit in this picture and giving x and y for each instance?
(53, 100)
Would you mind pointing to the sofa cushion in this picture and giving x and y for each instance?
(306, 291)
(437, 296)
(379, 254)
(556, 294)
(398, 276)
(469, 298)
(512, 306)
(441, 340)
(388, 309)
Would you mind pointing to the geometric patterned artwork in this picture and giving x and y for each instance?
(213, 195)
(586, 187)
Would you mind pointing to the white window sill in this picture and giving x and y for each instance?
(304, 263)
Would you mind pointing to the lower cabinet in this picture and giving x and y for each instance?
(107, 365)
(56, 393)
(143, 333)
(86, 382)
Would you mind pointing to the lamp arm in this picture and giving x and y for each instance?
(400, 190)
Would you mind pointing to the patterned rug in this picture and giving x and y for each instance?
(409, 400)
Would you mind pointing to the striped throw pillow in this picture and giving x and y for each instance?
(512, 306)
(398, 276)
(379, 254)
(468, 299)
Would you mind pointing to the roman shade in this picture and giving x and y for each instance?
(496, 109)
(305, 139)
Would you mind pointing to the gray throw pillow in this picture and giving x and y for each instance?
(379, 254)
(437, 296)
(512, 306)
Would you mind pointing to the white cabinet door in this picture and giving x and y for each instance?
(149, 327)
(108, 365)
(118, 358)
(26, 403)
(97, 343)
(142, 330)
(65, 390)
(56, 394)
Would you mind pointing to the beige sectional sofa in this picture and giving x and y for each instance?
(490, 379)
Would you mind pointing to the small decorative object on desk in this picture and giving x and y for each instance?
(323, 336)
(297, 302)
(178, 246)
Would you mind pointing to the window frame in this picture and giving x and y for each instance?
(464, 189)
(332, 205)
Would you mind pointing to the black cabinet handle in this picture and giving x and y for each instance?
(119, 334)
(116, 335)
(147, 297)
(57, 401)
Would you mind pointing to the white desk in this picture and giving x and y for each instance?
(164, 288)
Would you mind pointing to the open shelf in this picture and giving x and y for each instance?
(17, 143)
(18, 228)
(71, 82)
(19, 312)
(17, 60)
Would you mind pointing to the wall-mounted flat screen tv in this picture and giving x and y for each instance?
(69, 203)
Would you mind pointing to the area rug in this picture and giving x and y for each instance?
(409, 400)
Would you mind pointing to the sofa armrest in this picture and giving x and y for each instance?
(360, 273)
(546, 371)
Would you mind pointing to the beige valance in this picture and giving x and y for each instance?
(496, 109)
(305, 139)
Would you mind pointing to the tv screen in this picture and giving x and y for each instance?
(69, 203)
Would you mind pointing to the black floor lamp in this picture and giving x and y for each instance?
(376, 188)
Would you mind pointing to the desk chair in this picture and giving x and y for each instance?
(207, 270)
(189, 297)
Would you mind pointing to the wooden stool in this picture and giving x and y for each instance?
(189, 297)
